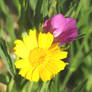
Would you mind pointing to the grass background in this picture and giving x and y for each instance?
(18, 16)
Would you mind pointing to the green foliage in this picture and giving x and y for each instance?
(4, 53)
(77, 77)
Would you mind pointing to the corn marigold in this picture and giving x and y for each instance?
(40, 58)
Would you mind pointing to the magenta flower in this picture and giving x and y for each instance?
(63, 29)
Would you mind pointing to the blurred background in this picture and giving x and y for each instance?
(18, 16)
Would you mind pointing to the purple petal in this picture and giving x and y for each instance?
(63, 29)
(47, 26)
(67, 37)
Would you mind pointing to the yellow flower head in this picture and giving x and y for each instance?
(40, 59)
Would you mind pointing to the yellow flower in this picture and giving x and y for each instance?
(40, 58)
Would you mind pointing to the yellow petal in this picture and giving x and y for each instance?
(62, 54)
(56, 53)
(20, 50)
(45, 74)
(35, 75)
(21, 63)
(45, 40)
(51, 67)
(61, 64)
(56, 66)
(30, 40)
(29, 74)
(23, 71)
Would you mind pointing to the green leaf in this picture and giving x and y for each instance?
(18, 6)
(44, 8)
(2, 33)
(3, 7)
(4, 78)
(89, 83)
(4, 53)
(52, 8)
(10, 27)
(11, 86)
(33, 4)
(38, 15)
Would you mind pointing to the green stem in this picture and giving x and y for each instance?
(30, 87)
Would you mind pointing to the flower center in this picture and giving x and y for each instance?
(37, 56)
